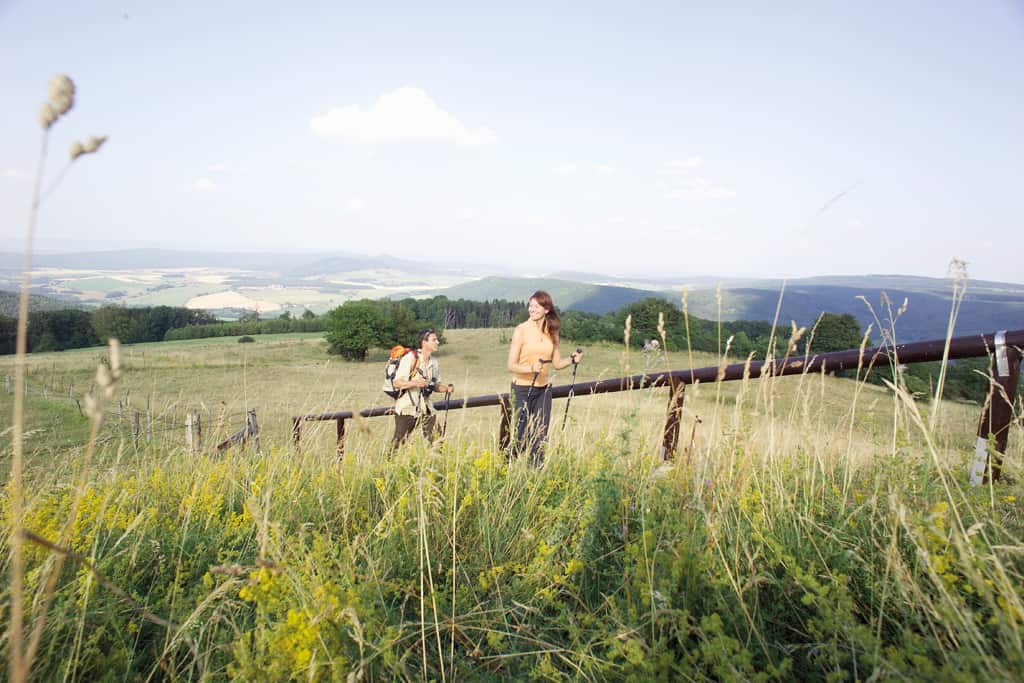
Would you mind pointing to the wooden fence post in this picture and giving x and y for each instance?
(341, 436)
(194, 432)
(296, 430)
(7, 384)
(197, 424)
(994, 426)
(253, 429)
(505, 428)
(670, 438)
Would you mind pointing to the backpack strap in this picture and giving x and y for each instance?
(415, 366)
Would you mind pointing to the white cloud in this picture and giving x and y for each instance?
(697, 190)
(217, 168)
(204, 184)
(402, 116)
(605, 169)
(688, 164)
(566, 169)
(355, 204)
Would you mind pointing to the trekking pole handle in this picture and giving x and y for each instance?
(579, 351)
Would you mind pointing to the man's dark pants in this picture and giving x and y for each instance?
(405, 424)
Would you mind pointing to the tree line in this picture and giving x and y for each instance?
(356, 326)
(833, 332)
(73, 328)
(248, 325)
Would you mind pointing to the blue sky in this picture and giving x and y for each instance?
(731, 139)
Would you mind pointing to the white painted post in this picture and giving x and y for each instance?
(193, 432)
(189, 438)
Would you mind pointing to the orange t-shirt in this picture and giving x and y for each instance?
(536, 345)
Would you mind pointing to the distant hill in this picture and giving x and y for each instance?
(568, 295)
(926, 317)
(321, 280)
(129, 259)
(36, 302)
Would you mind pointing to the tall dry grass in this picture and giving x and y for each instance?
(60, 100)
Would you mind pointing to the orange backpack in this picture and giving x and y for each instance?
(391, 368)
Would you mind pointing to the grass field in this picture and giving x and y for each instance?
(284, 375)
(810, 528)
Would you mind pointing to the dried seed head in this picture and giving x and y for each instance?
(47, 116)
(92, 408)
(104, 381)
(94, 143)
(795, 336)
(76, 150)
(62, 93)
(629, 326)
(115, 357)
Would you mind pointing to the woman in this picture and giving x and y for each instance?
(533, 350)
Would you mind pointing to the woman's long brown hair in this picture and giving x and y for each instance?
(551, 321)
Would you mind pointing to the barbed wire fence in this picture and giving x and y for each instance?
(139, 421)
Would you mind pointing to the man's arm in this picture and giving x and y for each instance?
(443, 388)
(403, 379)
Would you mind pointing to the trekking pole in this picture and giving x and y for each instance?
(533, 382)
(444, 425)
(568, 400)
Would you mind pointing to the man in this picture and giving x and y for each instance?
(417, 376)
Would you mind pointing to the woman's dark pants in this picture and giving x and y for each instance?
(532, 408)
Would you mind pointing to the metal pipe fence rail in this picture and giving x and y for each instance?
(993, 429)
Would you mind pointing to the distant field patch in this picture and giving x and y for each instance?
(100, 284)
(231, 299)
(287, 296)
(171, 296)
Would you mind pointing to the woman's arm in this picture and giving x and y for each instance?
(560, 364)
(514, 349)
